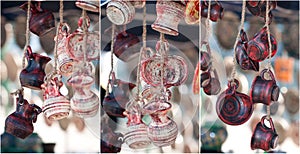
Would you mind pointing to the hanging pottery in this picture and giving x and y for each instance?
(84, 103)
(20, 122)
(205, 57)
(55, 106)
(234, 108)
(258, 46)
(90, 5)
(41, 21)
(216, 11)
(169, 14)
(65, 63)
(120, 12)
(258, 8)
(136, 137)
(75, 42)
(175, 70)
(162, 130)
(210, 82)
(111, 142)
(115, 102)
(264, 90)
(241, 54)
(123, 46)
(263, 137)
(32, 76)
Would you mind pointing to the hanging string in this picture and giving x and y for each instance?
(269, 35)
(61, 9)
(207, 22)
(27, 33)
(85, 30)
(144, 35)
(270, 49)
(144, 28)
(233, 73)
(111, 56)
(162, 52)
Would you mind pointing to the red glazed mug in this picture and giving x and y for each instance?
(210, 82)
(258, 46)
(234, 108)
(241, 54)
(263, 137)
(264, 90)
(205, 59)
(216, 11)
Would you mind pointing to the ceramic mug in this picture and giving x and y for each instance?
(241, 55)
(258, 46)
(264, 90)
(263, 137)
(120, 12)
(210, 82)
(234, 108)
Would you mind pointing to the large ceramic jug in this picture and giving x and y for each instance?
(19, 123)
(41, 21)
(32, 76)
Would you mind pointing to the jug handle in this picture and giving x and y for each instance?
(36, 110)
(28, 52)
(262, 121)
(243, 36)
(270, 73)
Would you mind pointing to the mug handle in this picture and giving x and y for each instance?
(262, 121)
(232, 86)
(147, 52)
(270, 73)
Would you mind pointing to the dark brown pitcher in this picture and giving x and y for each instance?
(19, 123)
(264, 90)
(41, 21)
(263, 137)
(241, 54)
(123, 41)
(258, 46)
(111, 142)
(115, 102)
(32, 76)
(234, 108)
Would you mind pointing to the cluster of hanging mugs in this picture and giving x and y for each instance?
(233, 107)
(85, 102)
